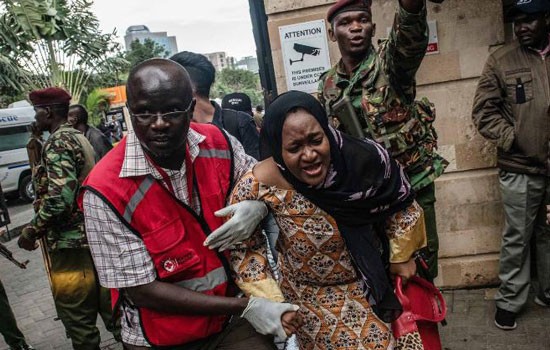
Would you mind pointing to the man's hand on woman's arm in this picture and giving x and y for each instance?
(270, 317)
(245, 217)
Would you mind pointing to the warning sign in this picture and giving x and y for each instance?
(433, 43)
(305, 54)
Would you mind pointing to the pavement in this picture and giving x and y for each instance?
(32, 303)
(469, 316)
(20, 215)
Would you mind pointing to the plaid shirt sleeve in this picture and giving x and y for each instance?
(242, 161)
(120, 256)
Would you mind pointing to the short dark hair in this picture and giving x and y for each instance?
(200, 69)
(82, 115)
(61, 110)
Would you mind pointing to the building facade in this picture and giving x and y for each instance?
(220, 60)
(469, 210)
(141, 32)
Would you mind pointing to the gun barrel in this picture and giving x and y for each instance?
(23, 264)
(5, 252)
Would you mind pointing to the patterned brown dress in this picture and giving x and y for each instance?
(316, 269)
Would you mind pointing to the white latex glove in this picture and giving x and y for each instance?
(265, 316)
(246, 217)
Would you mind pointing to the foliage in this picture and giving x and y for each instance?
(238, 80)
(10, 81)
(140, 52)
(9, 74)
(97, 104)
(113, 77)
(55, 43)
(121, 64)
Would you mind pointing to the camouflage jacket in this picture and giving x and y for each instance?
(67, 157)
(382, 90)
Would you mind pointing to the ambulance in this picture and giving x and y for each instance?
(15, 172)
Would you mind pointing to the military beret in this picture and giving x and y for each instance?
(49, 96)
(238, 102)
(347, 5)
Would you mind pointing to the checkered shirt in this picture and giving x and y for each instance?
(120, 257)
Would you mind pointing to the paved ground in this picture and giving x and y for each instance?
(470, 314)
(31, 300)
(470, 324)
(20, 214)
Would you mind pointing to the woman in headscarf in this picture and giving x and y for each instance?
(347, 219)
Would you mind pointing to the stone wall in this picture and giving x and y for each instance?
(469, 211)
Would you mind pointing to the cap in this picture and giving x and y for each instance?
(49, 96)
(237, 101)
(529, 7)
(347, 5)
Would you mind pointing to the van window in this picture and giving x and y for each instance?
(14, 138)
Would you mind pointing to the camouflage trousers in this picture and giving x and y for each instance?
(8, 326)
(79, 298)
(426, 198)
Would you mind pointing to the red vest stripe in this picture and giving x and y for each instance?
(137, 197)
(172, 232)
(215, 153)
(210, 281)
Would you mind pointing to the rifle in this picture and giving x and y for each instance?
(34, 145)
(344, 111)
(34, 151)
(9, 255)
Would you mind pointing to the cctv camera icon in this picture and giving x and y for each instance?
(305, 50)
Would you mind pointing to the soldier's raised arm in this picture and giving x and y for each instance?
(407, 43)
(415, 6)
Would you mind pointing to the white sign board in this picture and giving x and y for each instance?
(305, 54)
(433, 41)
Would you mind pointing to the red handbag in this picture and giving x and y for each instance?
(423, 308)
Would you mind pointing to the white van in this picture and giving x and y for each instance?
(15, 172)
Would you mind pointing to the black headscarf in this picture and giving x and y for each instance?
(362, 188)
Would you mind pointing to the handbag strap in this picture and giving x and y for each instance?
(403, 299)
(438, 304)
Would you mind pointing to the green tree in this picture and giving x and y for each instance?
(140, 52)
(97, 104)
(121, 64)
(11, 85)
(238, 80)
(114, 77)
(55, 43)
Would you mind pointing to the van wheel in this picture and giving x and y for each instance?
(26, 190)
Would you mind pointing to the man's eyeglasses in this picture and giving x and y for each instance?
(148, 118)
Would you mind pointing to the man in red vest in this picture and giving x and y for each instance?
(149, 205)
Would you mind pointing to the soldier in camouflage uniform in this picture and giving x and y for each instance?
(66, 159)
(372, 93)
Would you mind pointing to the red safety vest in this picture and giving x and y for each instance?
(174, 233)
